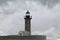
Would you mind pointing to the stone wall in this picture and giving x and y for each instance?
(23, 37)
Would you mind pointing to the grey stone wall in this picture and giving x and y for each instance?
(23, 37)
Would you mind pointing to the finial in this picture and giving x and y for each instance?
(27, 12)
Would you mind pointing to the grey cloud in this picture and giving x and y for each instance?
(7, 8)
(49, 3)
(3, 1)
(11, 17)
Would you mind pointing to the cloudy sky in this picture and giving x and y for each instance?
(45, 17)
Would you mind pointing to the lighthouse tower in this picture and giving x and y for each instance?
(28, 22)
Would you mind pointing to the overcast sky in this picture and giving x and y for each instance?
(45, 17)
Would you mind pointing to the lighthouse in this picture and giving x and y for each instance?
(28, 22)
